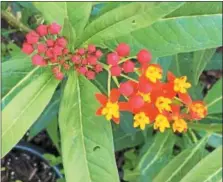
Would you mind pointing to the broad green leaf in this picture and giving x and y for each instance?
(46, 116)
(53, 132)
(52, 11)
(86, 139)
(154, 159)
(126, 123)
(16, 74)
(215, 63)
(25, 108)
(199, 62)
(213, 99)
(208, 169)
(77, 13)
(197, 8)
(181, 35)
(123, 140)
(181, 164)
(69, 33)
(206, 127)
(125, 19)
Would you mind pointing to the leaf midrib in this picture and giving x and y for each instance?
(82, 130)
(27, 106)
(186, 160)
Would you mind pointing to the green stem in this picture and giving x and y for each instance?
(193, 136)
(12, 20)
(126, 59)
(109, 83)
(129, 78)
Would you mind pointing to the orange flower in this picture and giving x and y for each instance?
(198, 110)
(110, 106)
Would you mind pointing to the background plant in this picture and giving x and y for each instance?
(182, 37)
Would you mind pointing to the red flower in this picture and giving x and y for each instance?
(41, 48)
(91, 48)
(110, 107)
(116, 70)
(112, 59)
(62, 42)
(90, 75)
(54, 28)
(32, 37)
(144, 56)
(27, 48)
(128, 66)
(198, 110)
(42, 30)
(38, 60)
(123, 50)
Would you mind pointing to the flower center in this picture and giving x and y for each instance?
(153, 73)
(163, 103)
(179, 125)
(180, 84)
(146, 97)
(140, 119)
(199, 109)
(161, 123)
(111, 110)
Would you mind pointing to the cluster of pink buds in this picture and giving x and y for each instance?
(48, 48)
(86, 61)
(119, 61)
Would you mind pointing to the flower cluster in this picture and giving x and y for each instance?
(48, 48)
(150, 100)
(86, 61)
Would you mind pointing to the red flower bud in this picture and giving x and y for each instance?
(42, 30)
(54, 28)
(50, 42)
(81, 51)
(128, 66)
(98, 53)
(90, 75)
(144, 56)
(62, 42)
(126, 89)
(91, 48)
(66, 66)
(84, 61)
(27, 48)
(112, 59)
(59, 76)
(49, 52)
(92, 60)
(32, 37)
(38, 60)
(41, 48)
(57, 50)
(54, 60)
(98, 68)
(136, 102)
(82, 70)
(76, 59)
(116, 70)
(55, 69)
(65, 51)
(123, 50)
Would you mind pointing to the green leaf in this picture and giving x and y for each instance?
(208, 169)
(199, 62)
(180, 35)
(87, 142)
(126, 123)
(123, 140)
(215, 63)
(78, 13)
(156, 156)
(47, 115)
(206, 127)
(53, 133)
(181, 164)
(69, 33)
(25, 108)
(16, 74)
(197, 8)
(125, 19)
(213, 99)
(52, 11)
